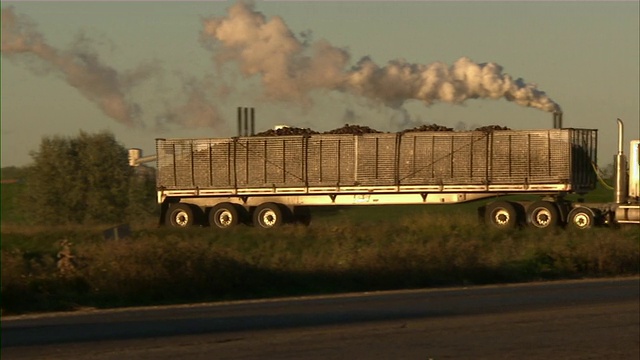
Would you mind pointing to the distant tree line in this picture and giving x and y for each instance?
(13, 173)
(84, 180)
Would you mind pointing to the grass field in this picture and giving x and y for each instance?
(345, 249)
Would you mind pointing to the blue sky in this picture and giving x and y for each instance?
(165, 69)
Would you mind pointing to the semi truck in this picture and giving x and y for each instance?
(268, 181)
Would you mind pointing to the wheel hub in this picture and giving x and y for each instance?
(225, 218)
(182, 218)
(581, 220)
(502, 217)
(543, 217)
(269, 218)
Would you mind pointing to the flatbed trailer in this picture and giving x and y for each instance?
(223, 181)
(271, 180)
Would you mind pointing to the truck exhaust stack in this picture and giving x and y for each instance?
(620, 163)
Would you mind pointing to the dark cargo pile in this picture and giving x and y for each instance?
(491, 128)
(431, 127)
(287, 131)
(360, 129)
(353, 129)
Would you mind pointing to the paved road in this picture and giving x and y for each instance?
(556, 320)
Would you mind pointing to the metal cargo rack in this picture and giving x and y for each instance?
(500, 161)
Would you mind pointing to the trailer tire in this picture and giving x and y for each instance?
(543, 215)
(582, 218)
(501, 215)
(181, 215)
(224, 216)
(269, 216)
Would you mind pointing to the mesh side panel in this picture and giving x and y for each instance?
(559, 158)
(201, 163)
(331, 160)
(270, 161)
(461, 159)
(165, 176)
(442, 158)
(415, 161)
(519, 159)
(429, 158)
(376, 156)
(480, 158)
(539, 157)
(437, 158)
(583, 149)
(504, 159)
(186, 163)
(240, 159)
(282, 162)
(534, 157)
(293, 161)
(174, 164)
(222, 169)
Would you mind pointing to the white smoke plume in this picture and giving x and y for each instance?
(99, 83)
(197, 111)
(290, 69)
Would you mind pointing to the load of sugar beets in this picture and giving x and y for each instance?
(359, 130)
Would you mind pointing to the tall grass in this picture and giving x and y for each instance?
(414, 248)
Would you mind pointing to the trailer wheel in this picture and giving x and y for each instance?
(501, 214)
(268, 216)
(224, 216)
(582, 218)
(180, 215)
(543, 214)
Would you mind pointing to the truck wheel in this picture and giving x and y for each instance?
(224, 216)
(501, 214)
(268, 216)
(180, 215)
(582, 218)
(543, 214)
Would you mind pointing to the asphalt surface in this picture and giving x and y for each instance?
(579, 319)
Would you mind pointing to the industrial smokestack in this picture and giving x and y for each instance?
(246, 115)
(253, 121)
(557, 120)
(239, 121)
(246, 121)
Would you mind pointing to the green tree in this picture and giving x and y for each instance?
(142, 195)
(82, 180)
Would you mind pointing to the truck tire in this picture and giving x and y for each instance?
(180, 215)
(224, 216)
(543, 215)
(268, 216)
(582, 218)
(502, 214)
